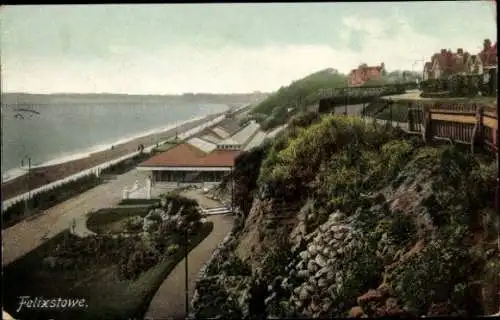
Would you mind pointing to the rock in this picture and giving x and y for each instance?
(337, 216)
(322, 283)
(284, 283)
(356, 312)
(369, 299)
(321, 272)
(312, 249)
(303, 274)
(304, 293)
(304, 255)
(299, 304)
(309, 288)
(300, 265)
(330, 275)
(392, 307)
(326, 304)
(312, 282)
(312, 266)
(326, 251)
(338, 236)
(320, 260)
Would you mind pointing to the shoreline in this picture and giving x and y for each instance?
(41, 176)
(88, 152)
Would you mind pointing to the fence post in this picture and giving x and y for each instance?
(477, 138)
(427, 132)
(411, 126)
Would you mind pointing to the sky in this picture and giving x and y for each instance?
(224, 48)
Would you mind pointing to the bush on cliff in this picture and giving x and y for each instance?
(414, 209)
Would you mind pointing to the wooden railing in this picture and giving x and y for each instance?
(471, 124)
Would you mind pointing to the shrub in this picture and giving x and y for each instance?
(430, 276)
(47, 199)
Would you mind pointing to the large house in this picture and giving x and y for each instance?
(448, 63)
(364, 73)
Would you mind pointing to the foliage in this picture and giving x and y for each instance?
(456, 86)
(430, 276)
(99, 220)
(246, 171)
(47, 199)
(294, 96)
(126, 202)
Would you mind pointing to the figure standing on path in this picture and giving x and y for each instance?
(73, 225)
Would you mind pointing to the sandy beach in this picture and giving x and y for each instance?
(44, 175)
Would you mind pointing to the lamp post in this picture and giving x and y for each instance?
(186, 279)
(413, 67)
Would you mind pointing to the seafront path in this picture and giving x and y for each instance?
(30, 233)
(169, 301)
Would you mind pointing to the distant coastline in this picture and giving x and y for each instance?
(19, 98)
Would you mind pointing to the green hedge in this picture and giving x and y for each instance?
(47, 199)
(125, 202)
(460, 86)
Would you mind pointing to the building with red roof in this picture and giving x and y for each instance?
(184, 163)
(205, 158)
(447, 63)
(364, 73)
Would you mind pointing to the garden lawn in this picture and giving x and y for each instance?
(107, 297)
(105, 220)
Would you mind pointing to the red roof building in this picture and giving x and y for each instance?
(447, 63)
(364, 73)
(185, 163)
(489, 55)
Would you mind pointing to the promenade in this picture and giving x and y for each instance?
(30, 233)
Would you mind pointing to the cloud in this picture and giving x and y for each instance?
(230, 68)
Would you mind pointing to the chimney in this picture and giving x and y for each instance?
(486, 44)
(443, 51)
(460, 51)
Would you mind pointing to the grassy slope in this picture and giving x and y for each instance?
(298, 95)
(447, 241)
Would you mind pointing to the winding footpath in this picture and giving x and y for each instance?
(169, 300)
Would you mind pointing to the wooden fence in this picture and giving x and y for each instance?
(465, 123)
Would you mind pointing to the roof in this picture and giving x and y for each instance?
(186, 155)
(221, 132)
(202, 145)
(211, 138)
(229, 141)
(242, 136)
(256, 140)
(489, 56)
(229, 125)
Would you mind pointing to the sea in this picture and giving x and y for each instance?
(69, 129)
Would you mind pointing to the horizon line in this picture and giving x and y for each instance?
(135, 94)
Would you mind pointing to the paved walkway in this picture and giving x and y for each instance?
(169, 300)
(27, 235)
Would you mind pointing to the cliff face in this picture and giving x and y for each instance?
(389, 227)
